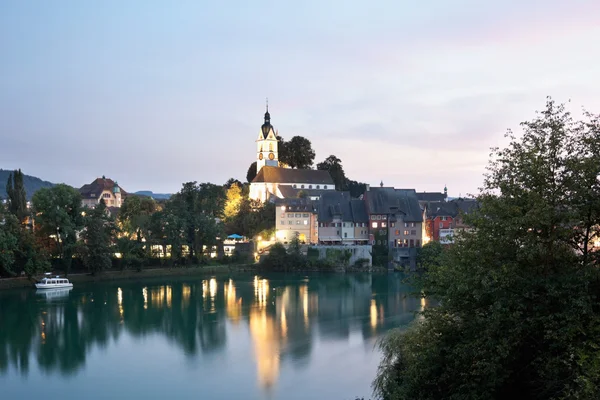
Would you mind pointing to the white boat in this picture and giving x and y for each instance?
(54, 283)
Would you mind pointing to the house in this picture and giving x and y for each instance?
(341, 219)
(445, 219)
(296, 217)
(103, 188)
(396, 218)
(273, 181)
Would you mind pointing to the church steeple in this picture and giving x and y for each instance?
(267, 153)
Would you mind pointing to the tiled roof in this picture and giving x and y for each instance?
(335, 204)
(287, 175)
(295, 204)
(97, 187)
(359, 211)
(387, 200)
(431, 196)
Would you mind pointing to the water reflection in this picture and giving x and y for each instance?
(284, 316)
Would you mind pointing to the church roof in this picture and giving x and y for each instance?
(95, 189)
(290, 192)
(268, 174)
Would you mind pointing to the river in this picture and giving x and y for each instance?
(242, 336)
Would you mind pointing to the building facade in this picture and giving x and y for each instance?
(102, 188)
(296, 218)
(342, 220)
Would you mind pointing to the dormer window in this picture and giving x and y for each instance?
(318, 186)
(310, 186)
(325, 187)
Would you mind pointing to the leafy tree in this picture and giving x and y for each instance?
(232, 204)
(232, 181)
(355, 188)
(17, 198)
(334, 166)
(8, 243)
(251, 174)
(430, 255)
(297, 153)
(134, 215)
(518, 312)
(98, 234)
(58, 214)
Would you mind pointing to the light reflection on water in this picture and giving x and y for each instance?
(293, 329)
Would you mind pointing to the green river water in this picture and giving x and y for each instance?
(241, 336)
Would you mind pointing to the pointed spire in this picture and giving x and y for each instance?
(381, 184)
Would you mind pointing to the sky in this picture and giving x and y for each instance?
(412, 93)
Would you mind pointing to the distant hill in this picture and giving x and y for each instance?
(156, 196)
(32, 184)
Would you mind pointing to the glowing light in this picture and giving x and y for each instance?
(304, 294)
(212, 284)
(120, 301)
(145, 294)
(283, 323)
(373, 313)
(169, 295)
(261, 290)
(263, 330)
(282, 208)
(185, 293)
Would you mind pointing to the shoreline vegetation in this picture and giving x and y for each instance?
(166, 272)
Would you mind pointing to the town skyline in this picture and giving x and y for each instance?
(411, 95)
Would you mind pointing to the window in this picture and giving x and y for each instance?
(345, 234)
(305, 222)
(443, 218)
(412, 243)
(304, 215)
(290, 215)
(412, 225)
(106, 195)
(397, 232)
(298, 222)
(374, 225)
(384, 224)
(441, 225)
(373, 217)
(298, 215)
(282, 222)
(418, 242)
(325, 187)
(406, 224)
(405, 233)
(413, 232)
(291, 222)
(294, 186)
(382, 232)
(337, 233)
(405, 242)
(301, 186)
(318, 186)
(344, 224)
(392, 224)
(310, 186)
(379, 217)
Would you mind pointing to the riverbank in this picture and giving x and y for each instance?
(16, 283)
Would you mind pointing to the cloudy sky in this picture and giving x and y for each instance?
(156, 93)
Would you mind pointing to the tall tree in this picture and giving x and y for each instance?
(251, 172)
(17, 198)
(334, 166)
(518, 312)
(134, 215)
(97, 235)
(8, 243)
(233, 201)
(230, 182)
(58, 214)
(298, 153)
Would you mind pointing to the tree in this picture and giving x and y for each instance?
(251, 172)
(355, 188)
(8, 243)
(17, 198)
(58, 214)
(518, 312)
(297, 153)
(98, 234)
(233, 202)
(134, 215)
(232, 181)
(334, 166)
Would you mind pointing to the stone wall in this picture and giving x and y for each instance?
(357, 252)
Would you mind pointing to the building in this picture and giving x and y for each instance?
(274, 181)
(396, 218)
(102, 188)
(445, 219)
(342, 220)
(296, 218)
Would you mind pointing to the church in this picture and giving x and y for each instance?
(274, 181)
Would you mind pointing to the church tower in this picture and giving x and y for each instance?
(266, 144)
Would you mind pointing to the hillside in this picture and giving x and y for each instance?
(32, 184)
(156, 196)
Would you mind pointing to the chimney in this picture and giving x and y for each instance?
(368, 187)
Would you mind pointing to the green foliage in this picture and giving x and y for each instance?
(430, 255)
(334, 166)
(297, 153)
(312, 254)
(97, 235)
(340, 257)
(518, 312)
(135, 214)
(17, 198)
(361, 263)
(251, 174)
(58, 213)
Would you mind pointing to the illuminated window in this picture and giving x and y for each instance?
(305, 222)
(406, 233)
(374, 225)
(384, 225)
(397, 232)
